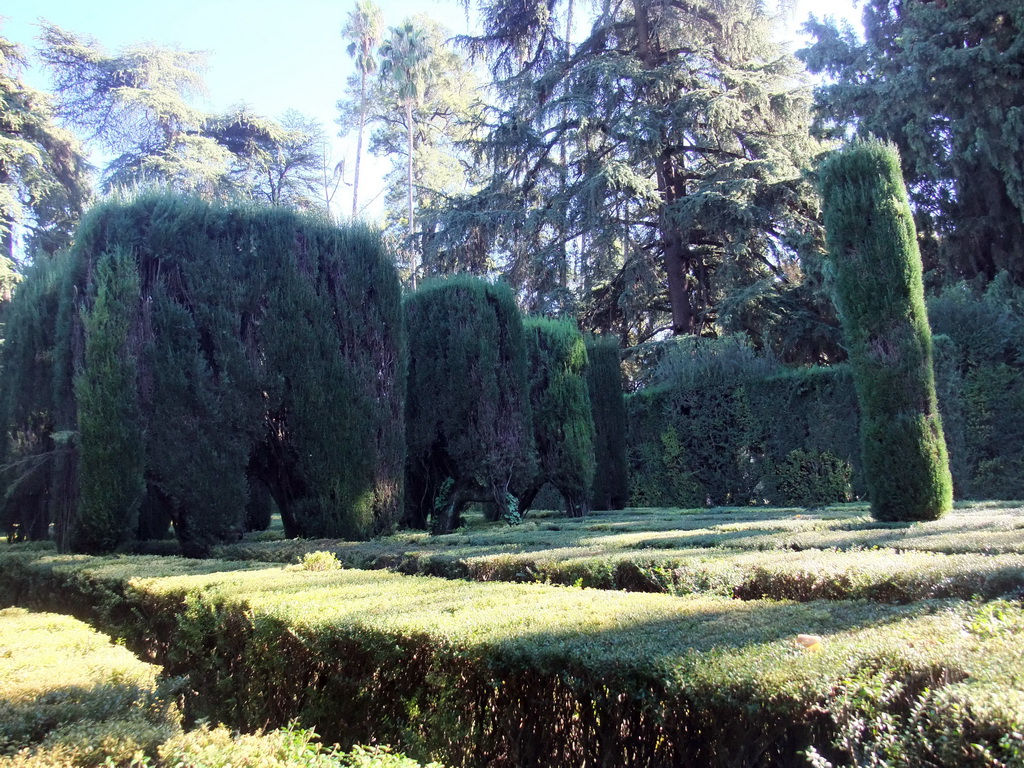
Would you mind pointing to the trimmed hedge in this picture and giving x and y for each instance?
(563, 427)
(72, 698)
(487, 674)
(791, 436)
(785, 438)
(210, 349)
(468, 423)
(608, 406)
(879, 293)
(837, 554)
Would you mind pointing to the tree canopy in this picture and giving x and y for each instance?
(944, 82)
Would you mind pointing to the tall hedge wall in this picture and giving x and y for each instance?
(468, 422)
(723, 426)
(220, 347)
(792, 435)
(563, 427)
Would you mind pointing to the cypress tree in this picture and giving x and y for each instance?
(879, 292)
(468, 422)
(563, 427)
(112, 455)
(608, 405)
(212, 350)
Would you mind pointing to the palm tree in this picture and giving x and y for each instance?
(363, 28)
(404, 57)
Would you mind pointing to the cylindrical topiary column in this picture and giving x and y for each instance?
(608, 405)
(468, 425)
(880, 296)
(562, 423)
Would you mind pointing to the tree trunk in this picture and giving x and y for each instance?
(412, 248)
(359, 145)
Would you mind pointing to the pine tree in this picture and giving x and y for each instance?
(880, 295)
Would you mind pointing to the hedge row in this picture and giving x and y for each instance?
(72, 698)
(716, 551)
(523, 675)
(725, 427)
(182, 354)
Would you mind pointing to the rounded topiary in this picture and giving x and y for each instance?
(468, 424)
(879, 292)
(562, 423)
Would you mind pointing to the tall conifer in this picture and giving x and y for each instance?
(879, 291)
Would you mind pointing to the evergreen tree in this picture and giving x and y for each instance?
(138, 105)
(684, 129)
(468, 423)
(880, 295)
(944, 82)
(273, 162)
(225, 349)
(109, 418)
(43, 180)
(608, 405)
(563, 427)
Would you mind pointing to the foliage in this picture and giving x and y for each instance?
(263, 350)
(833, 553)
(563, 426)
(319, 561)
(961, 154)
(275, 162)
(608, 407)
(468, 407)
(637, 176)
(880, 297)
(363, 652)
(112, 453)
(71, 697)
(425, 98)
(43, 184)
(139, 104)
(363, 28)
(35, 392)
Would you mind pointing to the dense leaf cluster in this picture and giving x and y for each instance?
(194, 352)
(880, 296)
(469, 428)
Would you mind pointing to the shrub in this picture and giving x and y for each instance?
(563, 427)
(608, 406)
(880, 297)
(469, 427)
(112, 456)
(487, 673)
(248, 346)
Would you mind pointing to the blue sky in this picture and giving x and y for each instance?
(273, 56)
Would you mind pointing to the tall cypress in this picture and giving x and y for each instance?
(608, 405)
(109, 417)
(468, 424)
(212, 350)
(879, 292)
(563, 426)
